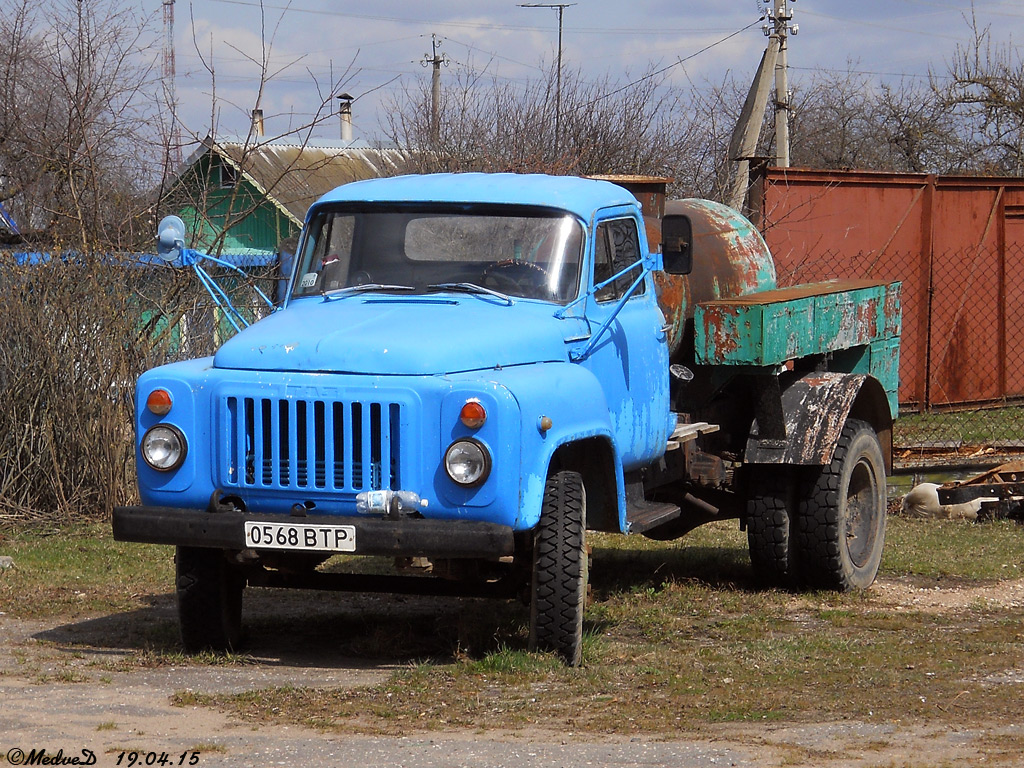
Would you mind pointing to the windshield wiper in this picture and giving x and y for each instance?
(471, 288)
(338, 293)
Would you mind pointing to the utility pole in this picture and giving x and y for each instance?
(783, 17)
(435, 88)
(748, 128)
(560, 7)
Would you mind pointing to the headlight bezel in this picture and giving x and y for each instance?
(470, 445)
(169, 433)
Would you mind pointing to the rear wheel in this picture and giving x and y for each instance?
(840, 528)
(209, 591)
(771, 509)
(560, 569)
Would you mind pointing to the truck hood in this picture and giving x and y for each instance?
(402, 335)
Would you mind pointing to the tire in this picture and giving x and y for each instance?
(209, 594)
(771, 509)
(560, 569)
(840, 527)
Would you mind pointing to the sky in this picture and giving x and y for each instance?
(377, 48)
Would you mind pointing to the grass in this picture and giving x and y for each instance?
(978, 427)
(79, 572)
(677, 635)
(939, 549)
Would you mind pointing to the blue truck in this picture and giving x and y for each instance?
(470, 372)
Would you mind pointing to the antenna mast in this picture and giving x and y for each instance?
(174, 135)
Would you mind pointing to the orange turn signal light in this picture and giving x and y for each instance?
(159, 402)
(473, 414)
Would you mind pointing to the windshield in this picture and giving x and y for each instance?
(517, 251)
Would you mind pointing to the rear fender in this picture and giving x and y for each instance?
(814, 408)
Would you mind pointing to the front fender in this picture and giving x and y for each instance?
(572, 398)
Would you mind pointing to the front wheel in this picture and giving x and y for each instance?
(840, 527)
(560, 569)
(209, 593)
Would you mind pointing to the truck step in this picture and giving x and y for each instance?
(645, 515)
(685, 432)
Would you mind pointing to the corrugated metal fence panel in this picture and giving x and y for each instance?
(965, 340)
(956, 243)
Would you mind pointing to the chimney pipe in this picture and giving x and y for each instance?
(345, 112)
(257, 122)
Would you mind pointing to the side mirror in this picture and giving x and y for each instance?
(678, 262)
(170, 238)
(676, 245)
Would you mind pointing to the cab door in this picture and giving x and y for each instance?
(630, 359)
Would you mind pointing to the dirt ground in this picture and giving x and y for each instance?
(62, 689)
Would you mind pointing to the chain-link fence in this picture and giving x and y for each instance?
(962, 348)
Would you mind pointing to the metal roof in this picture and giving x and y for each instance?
(292, 174)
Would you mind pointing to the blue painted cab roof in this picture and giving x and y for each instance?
(569, 193)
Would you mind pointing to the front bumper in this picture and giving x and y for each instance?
(407, 537)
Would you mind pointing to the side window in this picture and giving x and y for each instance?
(616, 246)
(676, 245)
(329, 253)
(228, 175)
(337, 255)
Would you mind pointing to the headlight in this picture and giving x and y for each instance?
(467, 462)
(163, 447)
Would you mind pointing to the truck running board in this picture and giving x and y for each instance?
(643, 515)
(683, 433)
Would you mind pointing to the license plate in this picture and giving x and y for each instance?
(312, 538)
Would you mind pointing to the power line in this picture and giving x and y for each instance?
(673, 65)
(493, 55)
(472, 24)
(960, 7)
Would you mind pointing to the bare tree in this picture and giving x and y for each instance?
(835, 122)
(489, 124)
(985, 89)
(847, 120)
(215, 212)
(918, 133)
(78, 95)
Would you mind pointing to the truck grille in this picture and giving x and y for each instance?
(311, 444)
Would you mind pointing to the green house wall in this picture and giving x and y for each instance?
(207, 207)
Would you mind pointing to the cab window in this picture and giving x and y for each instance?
(617, 246)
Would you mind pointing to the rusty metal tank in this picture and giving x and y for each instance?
(729, 256)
